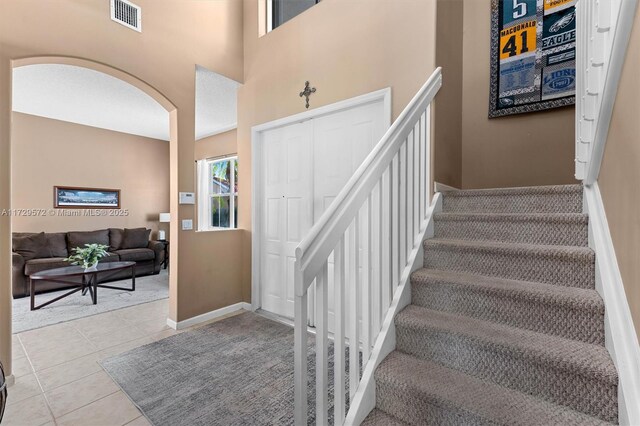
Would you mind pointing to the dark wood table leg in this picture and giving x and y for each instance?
(94, 279)
(32, 289)
(84, 286)
(133, 277)
(32, 286)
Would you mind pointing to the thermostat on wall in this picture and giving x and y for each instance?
(187, 198)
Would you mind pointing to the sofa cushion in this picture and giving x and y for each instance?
(136, 238)
(31, 246)
(79, 239)
(23, 234)
(55, 246)
(116, 236)
(57, 243)
(110, 257)
(37, 265)
(136, 255)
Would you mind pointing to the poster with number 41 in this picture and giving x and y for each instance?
(533, 55)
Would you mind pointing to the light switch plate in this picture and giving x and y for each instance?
(187, 225)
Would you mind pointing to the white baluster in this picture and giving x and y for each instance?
(300, 357)
(339, 283)
(354, 341)
(394, 183)
(423, 163)
(599, 52)
(417, 199)
(428, 151)
(376, 267)
(388, 250)
(322, 343)
(410, 200)
(366, 279)
(403, 212)
(604, 15)
(589, 106)
(593, 80)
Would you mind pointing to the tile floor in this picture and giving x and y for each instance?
(58, 378)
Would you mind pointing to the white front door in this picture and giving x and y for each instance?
(304, 167)
(288, 210)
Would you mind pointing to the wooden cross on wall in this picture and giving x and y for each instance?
(308, 90)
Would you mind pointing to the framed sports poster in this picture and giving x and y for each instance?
(533, 55)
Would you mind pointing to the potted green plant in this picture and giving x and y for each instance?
(88, 256)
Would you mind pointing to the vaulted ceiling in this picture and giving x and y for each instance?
(91, 98)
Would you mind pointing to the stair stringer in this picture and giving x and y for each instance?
(620, 337)
(364, 400)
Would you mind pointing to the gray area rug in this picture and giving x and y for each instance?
(148, 289)
(238, 371)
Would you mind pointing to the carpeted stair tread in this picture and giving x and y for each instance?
(577, 356)
(531, 228)
(517, 190)
(421, 392)
(559, 265)
(538, 199)
(567, 372)
(526, 249)
(568, 312)
(380, 418)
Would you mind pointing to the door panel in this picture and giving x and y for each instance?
(287, 211)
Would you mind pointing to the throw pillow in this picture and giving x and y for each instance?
(79, 239)
(136, 238)
(116, 237)
(31, 246)
(57, 243)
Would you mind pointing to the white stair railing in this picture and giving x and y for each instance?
(367, 235)
(603, 31)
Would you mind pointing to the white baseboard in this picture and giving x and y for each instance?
(10, 380)
(439, 187)
(181, 325)
(620, 334)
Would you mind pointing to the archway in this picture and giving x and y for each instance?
(169, 106)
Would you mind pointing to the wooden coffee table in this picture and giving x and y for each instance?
(89, 280)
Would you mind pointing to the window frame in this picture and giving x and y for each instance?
(271, 9)
(206, 194)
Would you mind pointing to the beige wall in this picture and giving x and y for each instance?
(620, 175)
(448, 106)
(163, 56)
(521, 150)
(217, 145)
(345, 49)
(51, 152)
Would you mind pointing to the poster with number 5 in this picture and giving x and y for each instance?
(533, 55)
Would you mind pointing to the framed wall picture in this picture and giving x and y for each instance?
(533, 55)
(68, 197)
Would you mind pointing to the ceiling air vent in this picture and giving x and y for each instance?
(126, 13)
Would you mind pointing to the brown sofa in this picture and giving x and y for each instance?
(35, 252)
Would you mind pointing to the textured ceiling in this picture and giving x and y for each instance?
(84, 96)
(216, 103)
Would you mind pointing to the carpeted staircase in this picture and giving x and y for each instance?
(505, 325)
